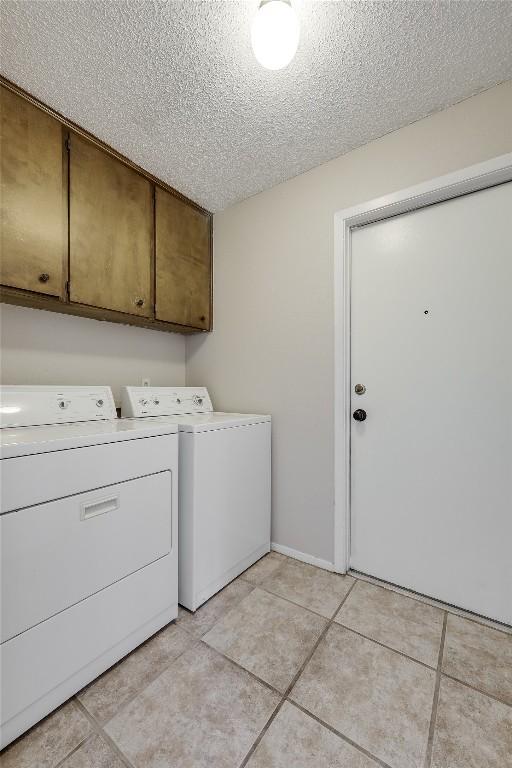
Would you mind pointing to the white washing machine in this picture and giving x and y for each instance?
(224, 488)
(88, 536)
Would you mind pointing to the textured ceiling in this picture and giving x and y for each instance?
(175, 87)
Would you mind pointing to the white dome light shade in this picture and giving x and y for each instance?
(275, 34)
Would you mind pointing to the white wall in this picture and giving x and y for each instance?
(272, 347)
(41, 347)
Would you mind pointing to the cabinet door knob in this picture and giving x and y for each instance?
(139, 302)
(202, 318)
(44, 277)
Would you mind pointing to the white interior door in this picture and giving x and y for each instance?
(431, 465)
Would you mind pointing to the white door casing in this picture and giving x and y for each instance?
(474, 178)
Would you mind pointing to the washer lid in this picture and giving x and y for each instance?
(207, 422)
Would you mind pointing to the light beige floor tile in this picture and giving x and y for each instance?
(49, 742)
(295, 740)
(105, 695)
(268, 636)
(201, 712)
(472, 730)
(263, 568)
(94, 753)
(376, 697)
(400, 622)
(435, 603)
(313, 588)
(208, 614)
(479, 656)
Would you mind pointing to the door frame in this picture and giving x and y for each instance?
(470, 179)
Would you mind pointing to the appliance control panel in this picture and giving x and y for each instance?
(164, 401)
(31, 406)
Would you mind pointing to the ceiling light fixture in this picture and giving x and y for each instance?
(275, 33)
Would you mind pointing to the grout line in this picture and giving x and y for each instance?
(103, 734)
(322, 635)
(191, 614)
(274, 594)
(342, 736)
(453, 610)
(387, 647)
(189, 632)
(75, 749)
(244, 669)
(148, 680)
(478, 690)
(259, 585)
(298, 605)
(32, 728)
(435, 700)
(260, 679)
(262, 733)
(350, 629)
(291, 685)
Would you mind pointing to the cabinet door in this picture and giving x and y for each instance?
(183, 263)
(33, 239)
(110, 230)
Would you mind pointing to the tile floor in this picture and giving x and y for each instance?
(294, 667)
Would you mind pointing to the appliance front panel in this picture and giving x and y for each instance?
(224, 509)
(29, 480)
(59, 553)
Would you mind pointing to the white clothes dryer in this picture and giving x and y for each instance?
(88, 531)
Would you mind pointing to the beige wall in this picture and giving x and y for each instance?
(272, 348)
(47, 348)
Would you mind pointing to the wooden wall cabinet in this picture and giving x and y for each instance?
(183, 268)
(85, 231)
(110, 232)
(33, 225)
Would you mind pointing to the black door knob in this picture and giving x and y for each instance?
(359, 415)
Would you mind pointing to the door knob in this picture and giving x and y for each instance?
(359, 415)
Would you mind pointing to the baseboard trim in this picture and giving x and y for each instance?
(302, 556)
